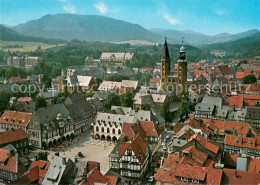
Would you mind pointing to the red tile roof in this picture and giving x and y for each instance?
(91, 165)
(209, 146)
(238, 127)
(254, 165)
(154, 80)
(16, 79)
(16, 118)
(137, 145)
(12, 135)
(207, 175)
(244, 142)
(225, 70)
(95, 177)
(149, 128)
(37, 171)
(194, 123)
(43, 167)
(254, 87)
(12, 161)
(111, 179)
(24, 99)
(231, 176)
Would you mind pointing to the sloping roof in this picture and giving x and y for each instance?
(95, 177)
(12, 135)
(244, 142)
(16, 118)
(149, 128)
(11, 163)
(225, 70)
(22, 99)
(231, 176)
(209, 146)
(205, 174)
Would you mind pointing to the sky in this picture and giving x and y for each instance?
(204, 16)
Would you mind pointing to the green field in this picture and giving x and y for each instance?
(27, 46)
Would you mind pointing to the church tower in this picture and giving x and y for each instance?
(182, 69)
(165, 63)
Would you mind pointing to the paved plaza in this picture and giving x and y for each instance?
(92, 151)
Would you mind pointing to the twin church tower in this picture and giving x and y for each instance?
(169, 81)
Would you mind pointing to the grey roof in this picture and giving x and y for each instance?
(56, 170)
(217, 101)
(9, 87)
(221, 113)
(24, 106)
(48, 95)
(96, 103)
(202, 80)
(115, 151)
(46, 117)
(204, 107)
(78, 107)
(178, 142)
(101, 95)
(190, 75)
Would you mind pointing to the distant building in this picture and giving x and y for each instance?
(118, 59)
(218, 53)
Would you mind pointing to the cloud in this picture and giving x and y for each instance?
(69, 8)
(101, 7)
(170, 19)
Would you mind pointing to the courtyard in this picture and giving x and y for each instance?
(92, 150)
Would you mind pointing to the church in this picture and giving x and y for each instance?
(170, 81)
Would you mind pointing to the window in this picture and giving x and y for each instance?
(97, 129)
(108, 130)
(119, 131)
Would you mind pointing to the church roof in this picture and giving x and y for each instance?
(165, 54)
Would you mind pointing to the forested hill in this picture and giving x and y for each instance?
(86, 27)
(7, 34)
(245, 48)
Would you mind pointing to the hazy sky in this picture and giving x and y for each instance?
(205, 16)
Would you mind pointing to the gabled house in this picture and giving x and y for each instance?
(14, 120)
(129, 158)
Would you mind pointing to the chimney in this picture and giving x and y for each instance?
(64, 161)
(180, 154)
(235, 175)
(85, 173)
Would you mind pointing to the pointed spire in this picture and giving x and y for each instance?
(165, 54)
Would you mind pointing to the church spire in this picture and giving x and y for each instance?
(165, 54)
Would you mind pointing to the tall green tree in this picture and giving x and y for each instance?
(126, 99)
(186, 107)
(249, 79)
(59, 98)
(40, 102)
(115, 77)
(112, 99)
(165, 112)
(4, 100)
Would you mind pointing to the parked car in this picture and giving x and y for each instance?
(164, 147)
